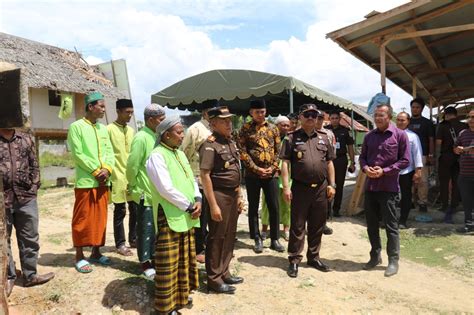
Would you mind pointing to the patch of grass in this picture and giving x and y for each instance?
(49, 159)
(58, 238)
(307, 283)
(440, 249)
(51, 183)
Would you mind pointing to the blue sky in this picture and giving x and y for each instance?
(166, 41)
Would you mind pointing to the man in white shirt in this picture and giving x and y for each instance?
(411, 174)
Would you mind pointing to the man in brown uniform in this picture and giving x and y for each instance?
(220, 177)
(309, 153)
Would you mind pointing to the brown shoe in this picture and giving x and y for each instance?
(201, 258)
(38, 279)
(10, 285)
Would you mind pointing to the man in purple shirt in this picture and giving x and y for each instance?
(385, 152)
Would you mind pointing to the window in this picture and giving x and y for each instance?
(54, 98)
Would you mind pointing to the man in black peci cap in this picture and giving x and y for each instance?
(309, 154)
(259, 143)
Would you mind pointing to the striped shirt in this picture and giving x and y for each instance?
(466, 160)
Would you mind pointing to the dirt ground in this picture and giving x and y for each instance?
(266, 289)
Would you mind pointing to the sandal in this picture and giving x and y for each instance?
(103, 260)
(83, 266)
(125, 251)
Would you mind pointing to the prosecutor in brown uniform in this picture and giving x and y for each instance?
(309, 153)
(220, 177)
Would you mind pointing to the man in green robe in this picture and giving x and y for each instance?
(93, 155)
(139, 186)
(121, 136)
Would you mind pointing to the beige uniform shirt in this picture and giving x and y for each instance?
(194, 138)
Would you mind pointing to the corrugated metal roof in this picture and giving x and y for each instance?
(442, 65)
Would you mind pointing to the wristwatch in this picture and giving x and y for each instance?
(332, 185)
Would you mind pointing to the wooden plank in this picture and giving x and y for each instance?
(382, 68)
(434, 31)
(3, 253)
(357, 199)
(422, 18)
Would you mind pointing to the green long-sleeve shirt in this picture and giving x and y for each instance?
(91, 150)
(138, 183)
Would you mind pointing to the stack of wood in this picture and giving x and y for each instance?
(3, 254)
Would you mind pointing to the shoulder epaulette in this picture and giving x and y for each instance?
(211, 138)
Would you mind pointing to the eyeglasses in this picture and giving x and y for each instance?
(310, 114)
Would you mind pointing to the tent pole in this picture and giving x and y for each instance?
(290, 93)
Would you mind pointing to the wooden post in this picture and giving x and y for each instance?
(431, 108)
(413, 88)
(3, 253)
(382, 68)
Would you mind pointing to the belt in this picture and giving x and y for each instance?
(314, 185)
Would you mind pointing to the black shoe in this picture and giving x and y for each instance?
(318, 264)
(327, 230)
(222, 288)
(392, 269)
(374, 261)
(468, 229)
(234, 280)
(402, 226)
(275, 245)
(292, 271)
(423, 208)
(336, 214)
(258, 248)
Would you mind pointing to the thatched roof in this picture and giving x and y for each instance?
(53, 68)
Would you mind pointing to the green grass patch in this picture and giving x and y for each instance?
(49, 159)
(435, 247)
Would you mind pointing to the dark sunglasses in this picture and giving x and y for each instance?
(310, 114)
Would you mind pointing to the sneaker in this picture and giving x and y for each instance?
(327, 230)
(402, 226)
(263, 235)
(286, 235)
(468, 229)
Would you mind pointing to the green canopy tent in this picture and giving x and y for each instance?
(236, 87)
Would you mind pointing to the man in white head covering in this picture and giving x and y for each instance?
(139, 186)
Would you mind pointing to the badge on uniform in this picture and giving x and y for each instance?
(338, 145)
(226, 164)
(299, 154)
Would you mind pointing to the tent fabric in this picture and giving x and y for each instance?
(239, 84)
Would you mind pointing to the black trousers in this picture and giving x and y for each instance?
(406, 183)
(382, 205)
(200, 233)
(466, 186)
(120, 210)
(340, 168)
(270, 189)
(448, 171)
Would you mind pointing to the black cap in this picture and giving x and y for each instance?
(219, 112)
(209, 104)
(308, 107)
(123, 103)
(258, 103)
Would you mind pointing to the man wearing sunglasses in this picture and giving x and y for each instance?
(309, 154)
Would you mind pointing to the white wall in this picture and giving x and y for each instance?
(43, 115)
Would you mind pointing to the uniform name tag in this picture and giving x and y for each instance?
(209, 149)
(298, 143)
(338, 145)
